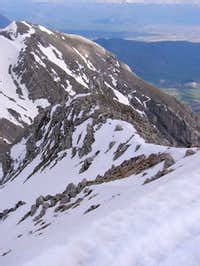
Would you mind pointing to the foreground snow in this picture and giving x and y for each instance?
(153, 224)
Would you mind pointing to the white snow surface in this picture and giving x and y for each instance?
(138, 225)
(56, 57)
(45, 30)
(120, 97)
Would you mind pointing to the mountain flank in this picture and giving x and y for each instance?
(85, 141)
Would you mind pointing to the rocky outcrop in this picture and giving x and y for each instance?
(133, 166)
(60, 202)
(169, 161)
(5, 213)
(63, 201)
(189, 152)
(158, 175)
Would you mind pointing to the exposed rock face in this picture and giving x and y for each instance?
(189, 153)
(169, 161)
(63, 201)
(59, 82)
(5, 213)
(133, 166)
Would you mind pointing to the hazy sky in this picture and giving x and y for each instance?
(153, 1)
(128, 1)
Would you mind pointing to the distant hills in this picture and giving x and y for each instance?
(3, 21)
(174, 62)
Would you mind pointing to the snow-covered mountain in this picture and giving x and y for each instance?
(95, 164)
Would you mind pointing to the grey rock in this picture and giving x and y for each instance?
(65, 199)
(99, 178)
(189, 153)
(33, 209)
(169, 161)
(74, 152)
(41, 214)
(58, 196)
(48, 197)
(39, 201)
(86, 190)
(72, 193)
(118, 128)
(45, 205)
(120, 150)
(88, 141)
(86, 164)
(111, 145)
(81, 185)
(92, 208)
(71, 190)
(70, 187)
(53, 202)
(137, 147)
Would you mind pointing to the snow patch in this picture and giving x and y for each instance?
(56, 57)
(45, 30)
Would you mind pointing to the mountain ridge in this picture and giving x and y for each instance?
(82, 135)
(31, 56)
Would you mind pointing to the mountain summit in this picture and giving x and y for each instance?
(74, 123)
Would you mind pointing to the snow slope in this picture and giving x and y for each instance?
(98, 126)
(153, 224)
(135, 224)
(9, 99)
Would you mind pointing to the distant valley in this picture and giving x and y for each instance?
(172, 66)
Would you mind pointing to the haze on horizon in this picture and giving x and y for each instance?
(132, 19)
(123, 1)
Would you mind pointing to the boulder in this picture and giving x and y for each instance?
(120, 150)
(169, 161)
(71, 190)
(86, 164)
(45, 205)
(48, 197)
(81, 185)
(58, 197)
(39, 201)
(189, 153)
(33, 209)
(53, 202)
(118, 128)
(65, 199)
